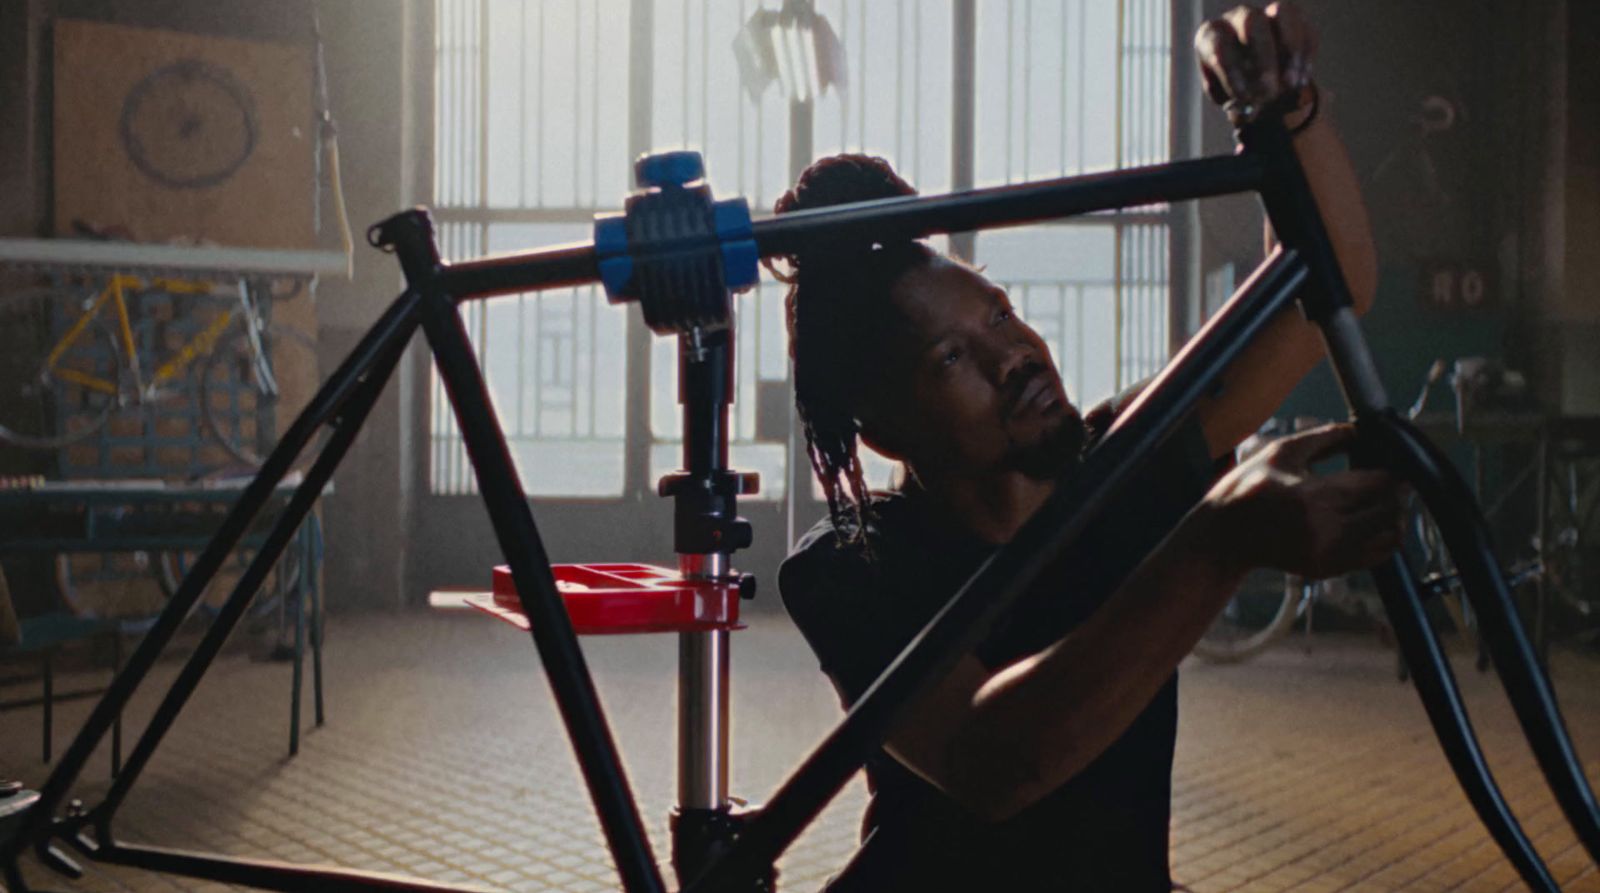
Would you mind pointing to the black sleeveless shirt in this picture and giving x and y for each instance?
(1104, 829)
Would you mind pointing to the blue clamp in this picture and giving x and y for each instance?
(731, 220)
(611, 249)
(674, 206)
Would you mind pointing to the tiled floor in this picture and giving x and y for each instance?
(444, 758)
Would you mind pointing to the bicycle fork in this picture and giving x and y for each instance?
(1385, 440)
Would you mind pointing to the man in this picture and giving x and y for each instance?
(1043, 761)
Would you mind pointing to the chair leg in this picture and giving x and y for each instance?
(49, 700)
(299, 664)
(116, 725)
(308, 579)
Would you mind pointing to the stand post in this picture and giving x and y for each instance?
(703, 671)
(705, 385)
(706, 533)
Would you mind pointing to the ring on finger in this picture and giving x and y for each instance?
(1240, 111)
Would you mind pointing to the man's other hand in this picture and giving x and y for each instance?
(1273, 511)
(1251, 56)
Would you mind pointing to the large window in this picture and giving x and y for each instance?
(1067, 87)
(530, 141)
(533, 121)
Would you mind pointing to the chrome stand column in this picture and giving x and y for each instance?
(703, 672)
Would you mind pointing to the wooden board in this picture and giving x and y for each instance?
(164, 136)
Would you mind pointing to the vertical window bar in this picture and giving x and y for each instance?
(1078, 304)
(1158, 315)
(1061, 314)
(468, 118)
(440, 131)
(740, 111)
(1137, 100)
(449, 426)
(683, 87)
(573, 372)
(1155, 84)
(522, 109)
(916, 92)
(1027, 88)
(464, 95)
(577, 106)
(1145, 239)
(536, 346)
(1118, 156)
(861, 66)
(1061, 162)
(1158, 308)
(463, 194)
(481, 309)
(458, 111)
(1161, 294)
(594, 120)
(844, 50)
(443, 99)
(522, 376)
(538, 113)
(1116, 308)
(1083, 80)
(1011, 33)
(483, 108)
(594, 356)
(899, 82)
(1130, 328)
(760, 154)
(705, 72)
(1146, 275)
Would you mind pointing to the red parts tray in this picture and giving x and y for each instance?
(609, 599)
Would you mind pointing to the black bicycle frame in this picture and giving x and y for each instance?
(1303, 270)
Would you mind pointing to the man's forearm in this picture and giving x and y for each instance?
(1262, 377)
(1040, 721)
(1337, 189)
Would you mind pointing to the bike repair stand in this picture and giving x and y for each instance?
(700, 602)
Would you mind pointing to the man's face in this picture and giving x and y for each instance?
(969, 387)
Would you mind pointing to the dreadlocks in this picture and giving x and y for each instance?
(839, 314)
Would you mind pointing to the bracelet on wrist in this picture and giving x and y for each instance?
(1311, 113)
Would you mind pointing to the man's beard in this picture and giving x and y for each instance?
(1054, 454)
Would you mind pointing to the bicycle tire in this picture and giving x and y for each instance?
(233, 405)
(1221, 644)
(111, 585)
(1571, 557)
(170, 569)
(33, 402)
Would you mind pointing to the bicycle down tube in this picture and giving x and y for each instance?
(1305, 269)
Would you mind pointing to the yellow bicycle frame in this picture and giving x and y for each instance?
(197, 346)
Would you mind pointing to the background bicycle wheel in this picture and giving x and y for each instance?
(239, 409)
(1261, 612)
(40, 411)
